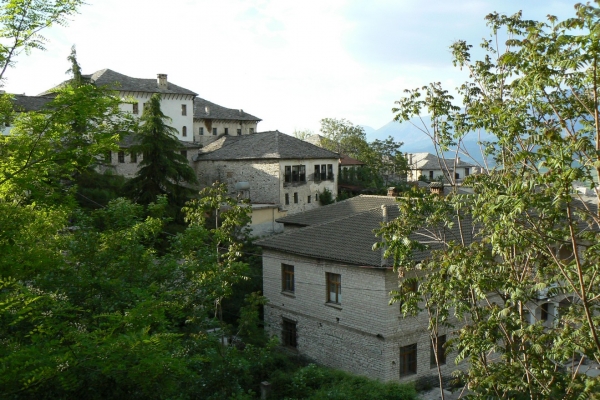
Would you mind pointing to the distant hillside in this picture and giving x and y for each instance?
(415, 141)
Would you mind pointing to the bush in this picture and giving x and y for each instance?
(326, 197)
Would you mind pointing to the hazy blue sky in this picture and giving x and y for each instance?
(290, 63)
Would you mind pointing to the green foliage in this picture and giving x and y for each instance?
(313, 382)
(163, 169)
(533, 237)
(45, 149)
(21, 22)
(303, 134)
(326, 197)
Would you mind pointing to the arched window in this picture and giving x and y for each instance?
(184, 131)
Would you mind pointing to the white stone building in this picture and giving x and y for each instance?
(432, 167)
(270, 168)
(329, 294)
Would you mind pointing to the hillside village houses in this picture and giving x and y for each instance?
(329, 293)
(278, 173)
(432, 167)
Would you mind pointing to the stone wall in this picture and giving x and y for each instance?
(262, 175)
(363, 334)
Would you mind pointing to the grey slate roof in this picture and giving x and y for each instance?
(430, 161)
(22, 103)
(117, 81)
(218, 112)
(350, 238)
(262, 145)
(337, 210)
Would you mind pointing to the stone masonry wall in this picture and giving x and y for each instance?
(262, 175)
(363, 334)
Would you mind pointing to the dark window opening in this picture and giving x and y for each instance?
(183, 153)
(201, 131)
(289, 334)
(408, 360)
(136, 108)
(214, 131)
(183, 109)
(287, 275)
(308, 199)
(239, 132)
(133, 157)
(441, 352)
(184, 131)
(430, 175)
(227, 131)
(295, 197)
(287, 199)
(334, 288)
(545, 309)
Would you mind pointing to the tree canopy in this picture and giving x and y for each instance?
(518, 280)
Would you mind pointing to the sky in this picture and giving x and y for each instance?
(290, 63)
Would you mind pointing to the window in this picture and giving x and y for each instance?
(467, 171)
(334, 288)
(239, 132)
(308, 199)
(441, 341)
(184, 131)
(108, 157)
(295, 197)
(133, 157)
(287, 199)
(295, 173)
(215, 131)
(183, 153)
(227, 131)
(545, 309)
(456, 175)
(287, 278)
(288, 333)
(316, 196)
(183, 109)
(408, 360)
(317, 176)
(201, 131)
(323, 172)
(121, 156)
(251, 130)
(330, 172)
(136, 108)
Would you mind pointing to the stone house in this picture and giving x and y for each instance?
(211, 121)
(269, 168)
(432, 167)
(329, 293)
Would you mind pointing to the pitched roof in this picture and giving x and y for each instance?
(22, 103)
(431, 161)
(117, 81)
(262, 145)
(350, 238)
(337, 210)
(347, 160)
(218, 112)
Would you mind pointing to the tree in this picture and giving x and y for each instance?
(386, 158)
(21, 22)
(47, 148)
(535, 240)
(303, 134)
(163, 169)
(343, 137)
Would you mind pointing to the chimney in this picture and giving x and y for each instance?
(437, 188)
(241, 112)
(392, 192)
(384, 213)
(207, 110)
(161, 80)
